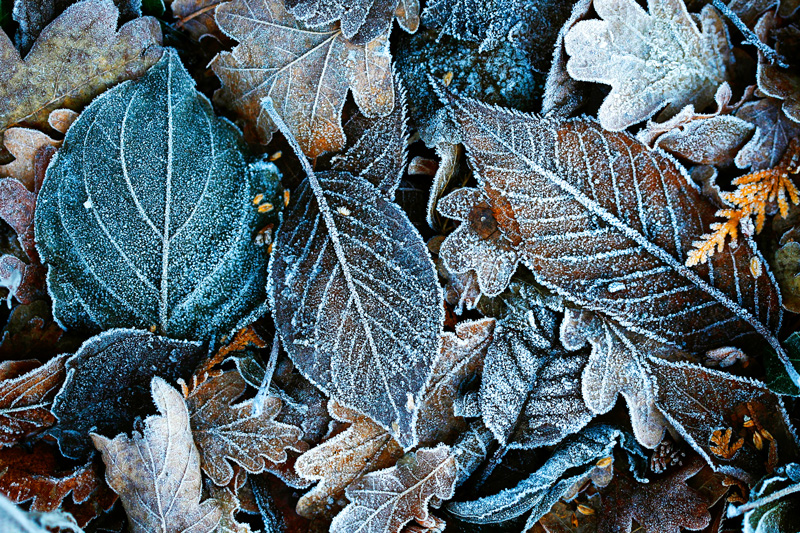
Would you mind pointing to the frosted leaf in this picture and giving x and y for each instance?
(361, 20)
(361, 448)
(698, 401)
(108, 383)
(384, 501)
(306, 73)
(16, 520)
(377, 148)
(530, 25)
(76, 57)
(25, 397)
(158, 466)
(531, 395)
(477, 244)
(356, 299)
(167, 241)
(651, 60)
(461, 356)
(773, 133)
(769, 512)
(605, 222)
(225, 432)
(572, 462)
(449, 156)
(666, 505)
(616, 366)
(774, 81)
(471, 450)
(196, 17)
(33, 15)
(23, 144)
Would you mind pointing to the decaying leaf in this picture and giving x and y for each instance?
(23, 144)
(197, 17)
(651, 60)
(35, 476)
(361, 20)
(773, 133)
(568, 199)
(31, 332)
(774, 81)
(225, 432)
(146, 216)
(531, 387)
(25, 397)
(699, 401)
(108, 383)
(462, 355)
(663, 506)
(75, 58)
(15, 520)
(355, 297)
(384, 501)
(336, 463)
(571, 464)
(157, 473)
(307, 76)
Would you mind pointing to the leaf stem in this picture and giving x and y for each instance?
(749, 506)
(749, 36)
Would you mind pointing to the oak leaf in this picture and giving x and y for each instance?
(361, 20)
(75, 58)
(384, 501)
(651, 60)
(25, 398)
(225, 432)
(663, 506)
(157, 473)
(108, 383)
(361, 448)
(307, 75)
(568, 199)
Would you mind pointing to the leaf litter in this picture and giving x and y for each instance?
(399, 266)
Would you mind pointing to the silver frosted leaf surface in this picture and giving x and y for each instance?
(358, 305)
(145, 218)
(108, 384)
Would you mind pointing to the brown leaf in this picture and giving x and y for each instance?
(774, 81)
(25, 399)
(699, 401)
(35, 475)
(224, 432)
(773, 133)
(306, 73)
(361, 448)
(197, 17)
(662, 506)
(78, 56)
(606, 223)
(461, 356)
(384, 501)
(32, 332)
(158, 466)
(23, 144)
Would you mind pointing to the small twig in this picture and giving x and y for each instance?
(750, 37)
(266, 381)
(749, 506)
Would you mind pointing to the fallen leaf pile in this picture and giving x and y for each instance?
(399, 266)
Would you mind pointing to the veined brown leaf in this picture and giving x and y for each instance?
(225, 432)
(306, 72)
(361, 448)
(605, 222)
(361, 20)
(355, 296)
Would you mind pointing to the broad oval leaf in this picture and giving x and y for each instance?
(108, 383)
(606, 222)
(357, 303)
(145, 218)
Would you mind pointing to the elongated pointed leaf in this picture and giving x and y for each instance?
(145, 218)
(607, 223)
(356, 299)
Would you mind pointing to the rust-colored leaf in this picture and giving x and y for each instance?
(361, 448)
(384, 501)
(224, 432)
(25, 399)
(75, 58)
(306, 72)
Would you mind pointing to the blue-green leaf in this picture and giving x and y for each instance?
(146, 218)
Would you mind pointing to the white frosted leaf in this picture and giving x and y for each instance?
(356, 299)
(145, 218)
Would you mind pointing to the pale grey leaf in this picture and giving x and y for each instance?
(15, 520)
(145, 217)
